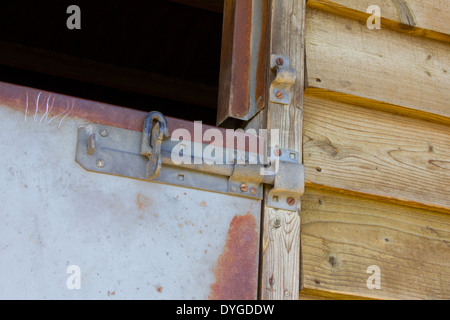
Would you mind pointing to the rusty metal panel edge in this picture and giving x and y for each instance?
(242, 86)
(58, 106)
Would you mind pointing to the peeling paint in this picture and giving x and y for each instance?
(237, 266)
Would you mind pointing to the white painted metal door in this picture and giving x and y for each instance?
(67, 233)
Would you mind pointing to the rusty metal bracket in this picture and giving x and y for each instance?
(289, 181)
(285, 77)
(246, 179)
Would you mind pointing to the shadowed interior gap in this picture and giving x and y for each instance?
(178, 42)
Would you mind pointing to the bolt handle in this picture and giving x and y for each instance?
(154, 132)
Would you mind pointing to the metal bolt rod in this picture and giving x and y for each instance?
(218, 169)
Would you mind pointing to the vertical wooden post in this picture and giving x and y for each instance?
(280, 261)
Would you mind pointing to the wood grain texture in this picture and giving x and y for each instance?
(280, 261)
(343, 55)
(375, 104)
(422, 18)
(313, 294)
(343, 235)
(383, 155)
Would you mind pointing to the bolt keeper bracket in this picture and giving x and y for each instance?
(289, 186)
(285, 173)
(285, 77)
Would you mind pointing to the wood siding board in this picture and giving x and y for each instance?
(344, 56)
(386, 156)
(343, 235)
(414, 17)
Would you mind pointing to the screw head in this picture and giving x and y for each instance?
(244, 187)
(103, 132)
(253, 190)
(280, 61)
(277, 223)
(290, 201)
(100, 163)
(279, 95)
(277, 152)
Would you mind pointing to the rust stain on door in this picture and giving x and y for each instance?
(142, 202)
(237, 266)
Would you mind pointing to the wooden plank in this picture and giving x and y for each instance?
(104, 74)
(280, 257)
(343, 56)
(375, 104)
(343, 235)
(312, 294)
(360, 150)
(415, 17)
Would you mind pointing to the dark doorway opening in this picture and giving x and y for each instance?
(147, 55)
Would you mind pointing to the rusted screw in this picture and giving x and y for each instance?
(277, 152)
(253, 190)
(103, 132)
(244, 187)
(279, 95)
(280, 61)
(290, 201)
(277, 223)
(100, 163)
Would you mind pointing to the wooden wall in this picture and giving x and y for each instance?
(376, 147)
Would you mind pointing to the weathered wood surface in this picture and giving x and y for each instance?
(344, 56)
(415, 17)
(387, 156)
(280, 261)
(343, 235)
(376, 105)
